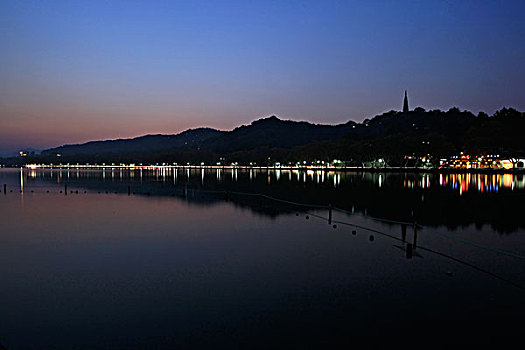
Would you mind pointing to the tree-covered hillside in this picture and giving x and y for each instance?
(391, 136)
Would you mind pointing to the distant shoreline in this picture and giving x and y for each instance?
(283, 168)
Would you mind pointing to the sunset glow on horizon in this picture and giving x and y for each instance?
(74, 72)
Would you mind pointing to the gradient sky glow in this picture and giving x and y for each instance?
(73, 71)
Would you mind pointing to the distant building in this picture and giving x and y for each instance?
(491, 161)
(405, 103)
(513, 163)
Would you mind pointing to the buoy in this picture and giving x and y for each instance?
(354, 232)
(307, 217)
(335, 226)
(371, 238)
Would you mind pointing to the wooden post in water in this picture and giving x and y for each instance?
(329, 214)
(129, 190)
(5, 188)
(403, 232)
(415, 236)
(409, 251)
(65, 189)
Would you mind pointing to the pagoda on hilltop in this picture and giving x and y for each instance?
(405, 103)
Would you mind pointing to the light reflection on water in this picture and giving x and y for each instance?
(460, 182)
(429, 198)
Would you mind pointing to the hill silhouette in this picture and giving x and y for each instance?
(391, 136)
(274, 132)
(186, 140)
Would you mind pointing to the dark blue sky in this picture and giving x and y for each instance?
(73, 71)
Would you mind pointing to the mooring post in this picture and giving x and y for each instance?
(329, 214)
(129, 190)
(65, 189)
(5, 188)
(415, 235)
(409, 251)
(404, 232)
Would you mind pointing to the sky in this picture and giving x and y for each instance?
(75, 71)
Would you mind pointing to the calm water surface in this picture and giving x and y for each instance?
(184, 258)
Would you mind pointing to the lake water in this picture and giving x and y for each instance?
(180, 258)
